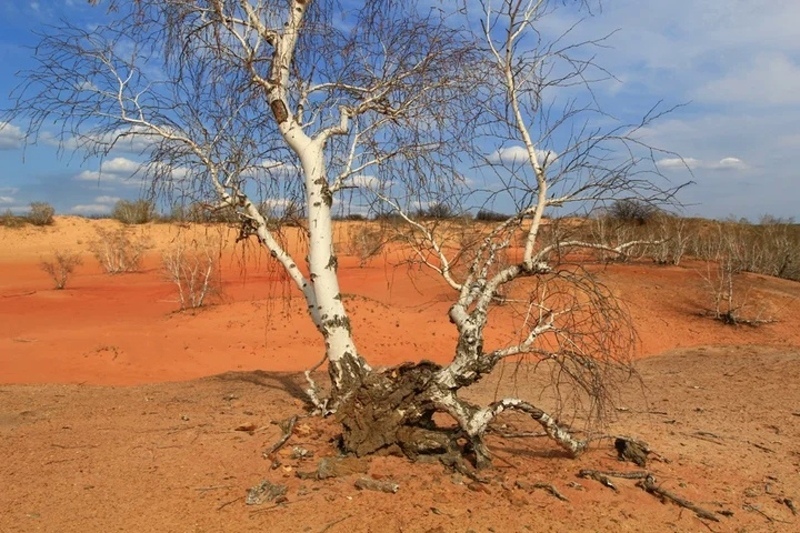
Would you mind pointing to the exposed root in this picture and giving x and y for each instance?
(481, 419)
(287, 426)
(320, 404)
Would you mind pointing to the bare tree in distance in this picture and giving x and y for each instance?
(299, 102)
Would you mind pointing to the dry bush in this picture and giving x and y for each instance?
(193, 267)
(9, 220)
(119, 250)
(631, 210)
(486, 215)
(671, 236)
(771, 247)
(732, 302)
(61, 267)
(727, 253)
(613, 232)
(133, 212)
(41, 214)
(365, 241)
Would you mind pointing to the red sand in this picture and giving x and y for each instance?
(97, 458)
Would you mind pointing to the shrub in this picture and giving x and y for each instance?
(365, 242)
(351, 217)
(41, 214)
(485, 215)
(61, 267)
(192, 268)
(725, 253)
(671, 237)
(437, 211)
(133, 212)
(632, 210)
(119, 250)
(9, 220)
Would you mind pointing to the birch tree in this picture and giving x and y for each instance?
(242, 101)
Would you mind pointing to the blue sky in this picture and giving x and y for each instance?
(736, 63)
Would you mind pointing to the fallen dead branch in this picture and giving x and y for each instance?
(648, 484)
(762, 447)
(224, 505)
(215, 487)
(366, 483)
(330, 525)
(287, 426)
(547, 487)
(755, 509)
(330, 467)
(706, 436)
(266, 491)
(604, 478)
(788, 503)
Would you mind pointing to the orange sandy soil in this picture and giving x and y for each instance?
(119, 414)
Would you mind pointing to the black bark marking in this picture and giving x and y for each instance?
(333, 263)
(338, 321)
(327, 195)
(279, 111)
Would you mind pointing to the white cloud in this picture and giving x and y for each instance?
(10, 136)
(767, 79)
(134, 140)
(730, 162)
(726, 163)
(364, 181)
(120, 165)
(6, 200)
(107, 199)
(118, 169)
(90, 209)
(94, 175)
(278, 202)
(269, 167)
(519, 155)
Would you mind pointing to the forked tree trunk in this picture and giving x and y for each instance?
(392, 408)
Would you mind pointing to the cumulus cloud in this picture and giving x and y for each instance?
(519, 154)
(10, 136)
(726, 163)
(90, 209)
(117, 170)
(101, 206)
(133, 140)
(269, 167)
(107, 199)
